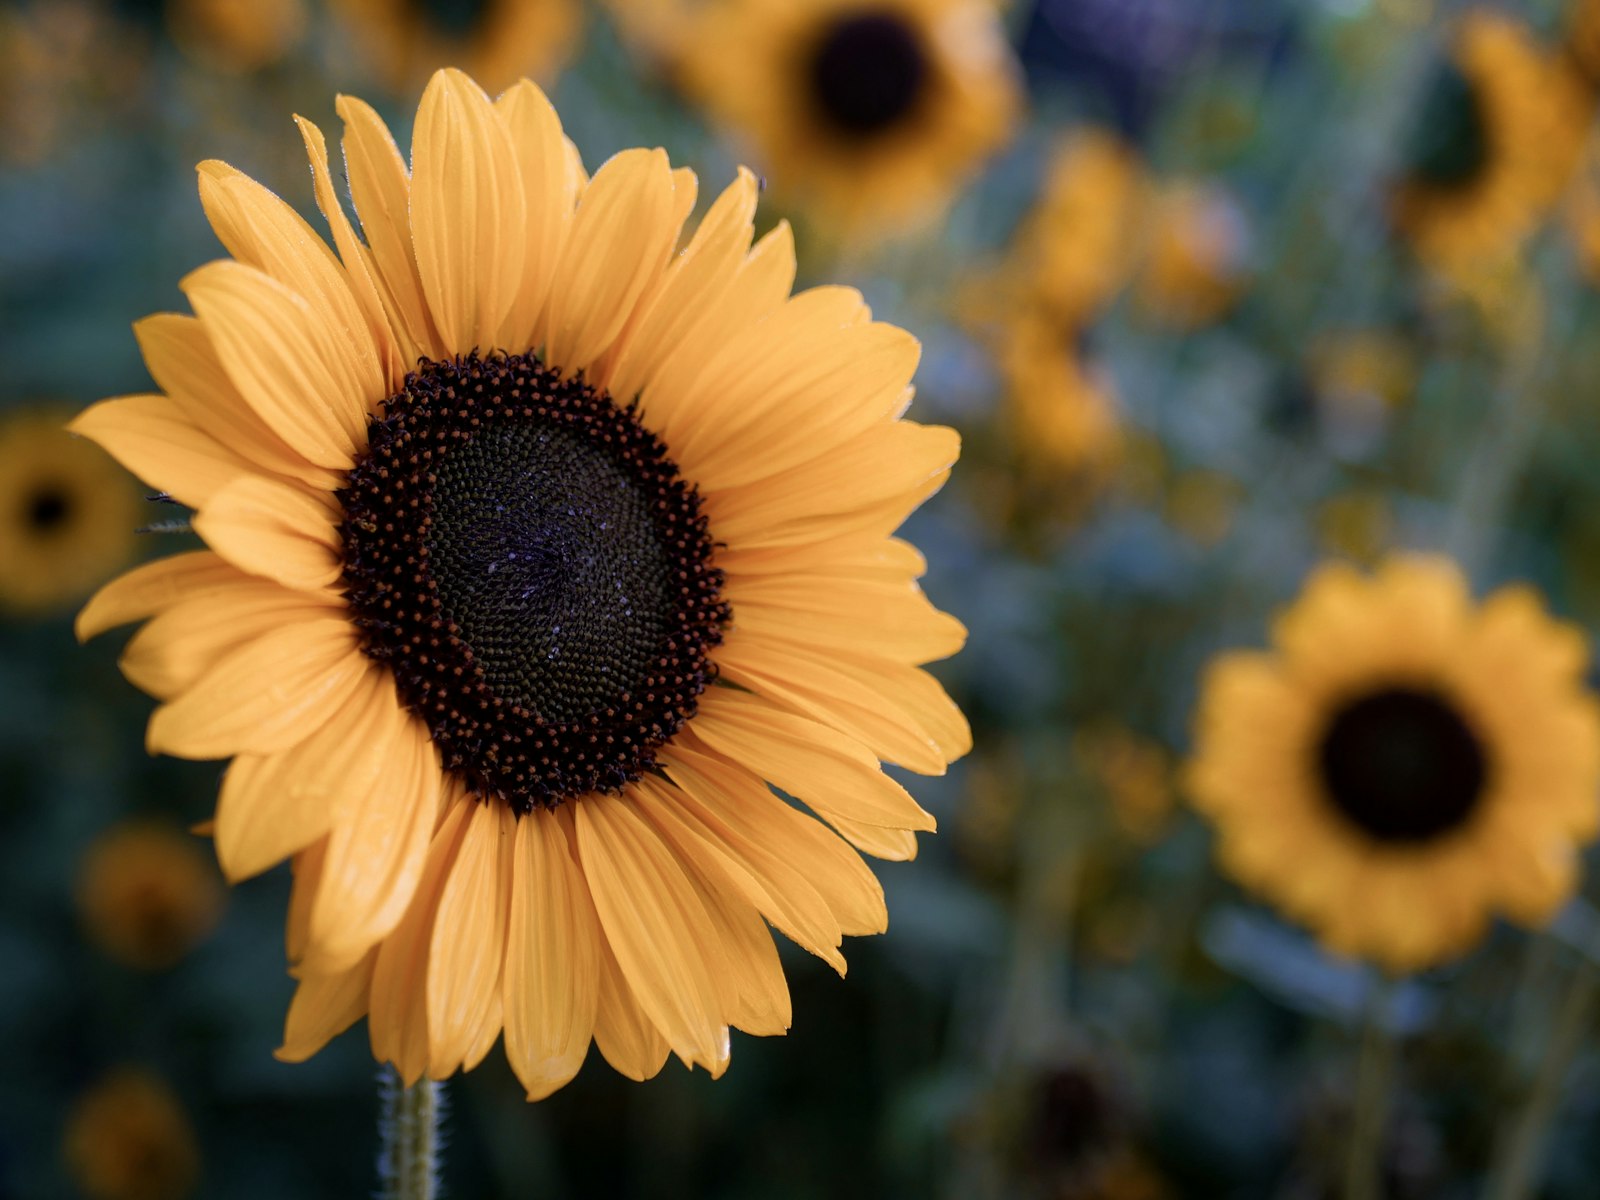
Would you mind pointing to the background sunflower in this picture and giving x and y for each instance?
(1078, 992)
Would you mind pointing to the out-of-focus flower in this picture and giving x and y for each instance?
(147, 894)
(1361, 367)
(871, 114)
(128, 1138)
(63, 63)
(495, 41)
(237, 35)
(1582, 38)
(1356, 525)
(1135, 774)
(1496, 142)
(67, 513)
(1195, 256)
(460, 615)
(1405, 763)
(1075, 248)
(1061, 416)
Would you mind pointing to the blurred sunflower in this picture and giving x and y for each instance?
(1074, 250)
(147, 895)
(67, 514)
(1405, 763)
(1496, 141)
(237, 35)
(1581, 39)
(1193, 266)
(1060, 415)
(128, 1138)
(873, 113)
(457, 624)
(495, 41)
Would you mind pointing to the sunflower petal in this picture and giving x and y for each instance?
(153, 437)
(323, 1007)
(550, 181)
(274, 531)
(153, 588)
(623, 1033)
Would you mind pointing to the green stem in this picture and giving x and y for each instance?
(408, 1123)
(1363, 1178)
(1522, 1152)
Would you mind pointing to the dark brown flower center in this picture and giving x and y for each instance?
(866, 73)
(523, 555)
(46, 509)
(1403, 764)
(457, 19)
(1450, 142)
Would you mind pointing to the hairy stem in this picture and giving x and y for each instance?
(408, 1125)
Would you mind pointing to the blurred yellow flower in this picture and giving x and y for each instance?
(1136, 775)
(1202, 504)
(495, 41)
(128, 1138)
(1497, 141)
(1060, 414)
(67, 513)
(1194, 261)
(871, 114)
(237, 35)
(1074, 250)
(1361, 366)
(1356, 525)
(1405, 763)
(148, 894)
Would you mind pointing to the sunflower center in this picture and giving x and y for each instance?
(523, 555)
(47, 508)
(1450, 146)
(866, 73)
(1403, 764)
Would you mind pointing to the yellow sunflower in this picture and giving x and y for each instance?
(128, 1138)
(871, 113)
(459, 622)
(496, 41)
(1406, 763)
(237, 35)
(67, 514)
(1061, 416)
(1194, 262)
(1497, 140)
(147, 894)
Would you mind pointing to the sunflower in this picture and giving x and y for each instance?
(871, 113)
(458, 625)
(1406, 763)
(66, 514)
(1061, 416)
(497, 41)
(1497, 140)
(1194, 262)
(127, 1137)
(148, 894)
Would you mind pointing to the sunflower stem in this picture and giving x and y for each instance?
(408, 1126)
(1517, 1167)
(1363, 1178)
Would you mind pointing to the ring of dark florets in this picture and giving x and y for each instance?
(524, 557)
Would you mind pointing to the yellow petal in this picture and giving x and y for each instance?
(468, 948)
(263, 334)
(880, 841)
(271, 806)
(552, 972)
(265, 696)
(397, 1019)
(621, 236)
(628, 1041)
(380, 190)
(396, 349)
(655, 926)
(181, 644)
(467, 212)
(152, 588)
(550, 189)
(323, 1007)
(890, 619)
(153, 438)
(261, 231)
(753, 991)
(275, 531)
(829, 771)
(182, 360)
(377, 847)
(737, 807)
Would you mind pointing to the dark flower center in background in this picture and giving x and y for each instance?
(1403, 764)
(454, 18)
(866, 73)
(1450, 144)
(47, 508)
(523, 555)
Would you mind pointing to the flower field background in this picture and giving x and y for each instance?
(1254, 317)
